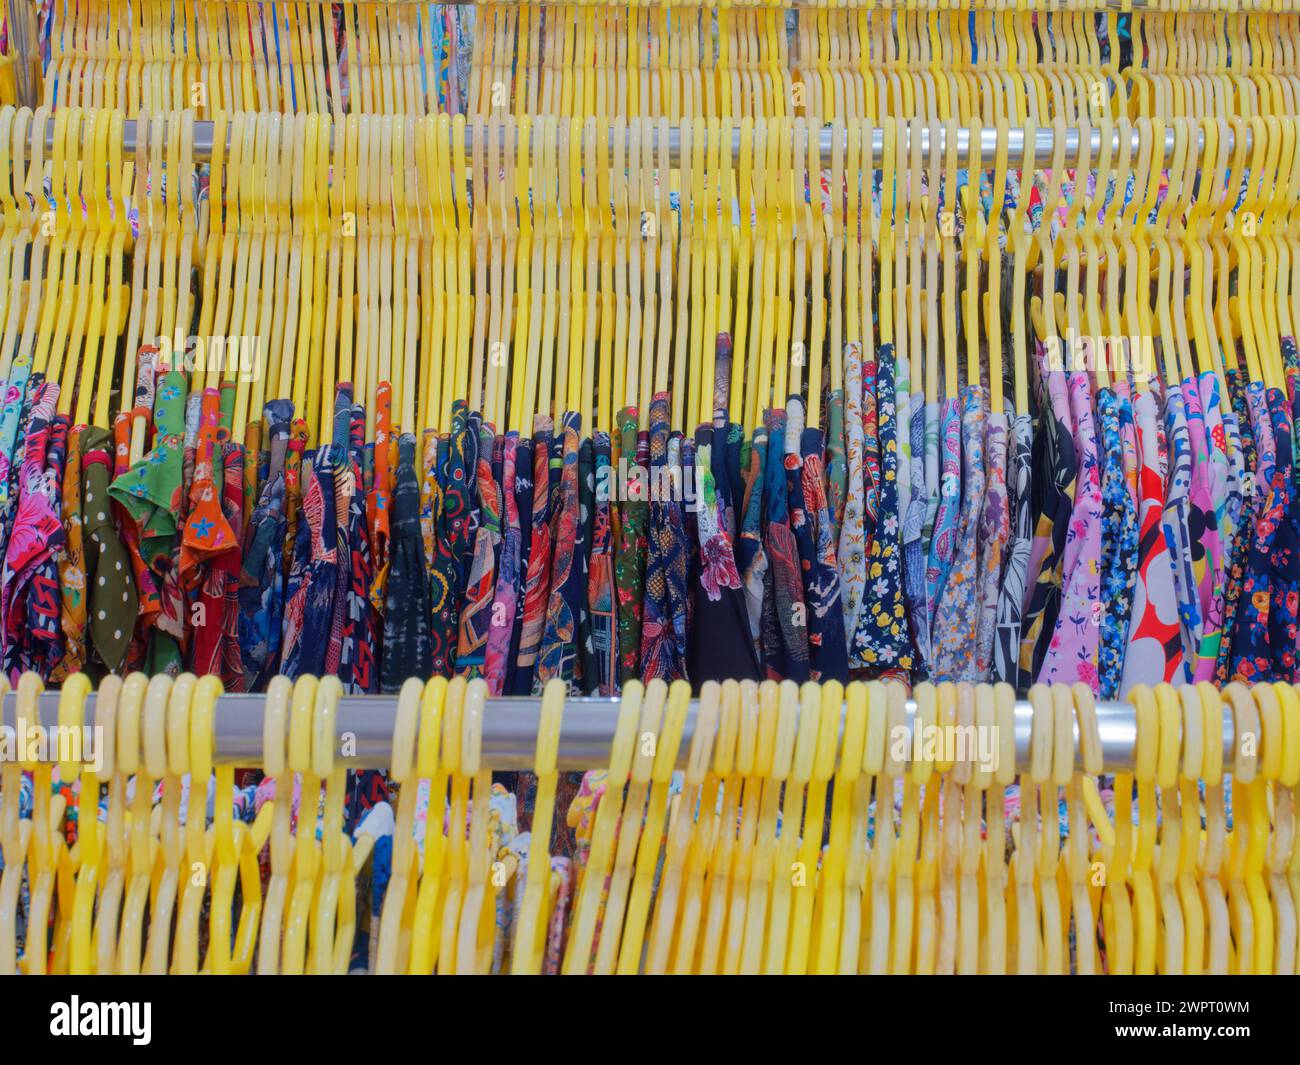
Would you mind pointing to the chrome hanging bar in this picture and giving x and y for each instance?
(364, 729)
(1044, 141)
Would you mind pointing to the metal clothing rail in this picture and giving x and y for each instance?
(510, 731)
(1051, 7)
(1044, 141)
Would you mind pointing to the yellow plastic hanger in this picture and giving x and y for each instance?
(587, 902)
(321, 389)
(802, 928)
(885, 721)
(144, 755)
(91, 876)
(253, 372)
(11, 192)
(782, 247)
(165, 736)
(994, 940)
(38, 331)
(669, 914)
(406, 327)
(539, 355)
(194, 870)
(840, 901)
(15, 835)
(763, 287)
(573, 256)
(448, 911)
(433, 231)
(431, 766)
(530, 929)
(647, 853)
(76, 274)
(347, 180)
(689, 245)
(71, 720)
(285, 701)
(473, 948)
(895, 864)
(628, 382)
(644, 762)
(1170, 939)
(789, 875)
(749, 716)
(292, 954)
(1026, 951)
(1251, 944)
(366, 332)
(334, 918)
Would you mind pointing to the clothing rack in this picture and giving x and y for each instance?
(1044, 141)
(510, 728)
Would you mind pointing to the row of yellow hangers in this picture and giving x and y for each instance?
(576, 60)
(814, 832)
(442, 282)
(848, 63)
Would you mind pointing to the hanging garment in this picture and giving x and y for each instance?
(810, 524)
(785, 612)
(379, 502)
(110, 585)
(309, 600)
(853, 542)
(882, 639)
(150, 599)
(914, 553)
(345, 488)
(71, 562)
(30, 630)
(1264, 644)
(630, 540)
(537, 550)
(150, 491)
(587, 673)
(993, 537)
(956, 616)
(252, 471)
(1053, 486)
(720, 646)
(1013, 590)
(498, 661)
(1177, 525)
(1243, 530)
(1119, 543)
(720, 642)
(480, 584)
(457, 464)
(870, 454)
(261, 575)
(943, 540)
(602, 589)
(837, 474)
(407, 648)
(358, 653)
(207, 537)
(1218, 473)
(1072, 651)
(663, 625)
(751, 560)
(19, 394)
(1154, 653)
(29, 583)
(558, 654)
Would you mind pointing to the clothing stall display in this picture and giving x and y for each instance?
(877, 429)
